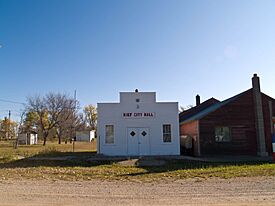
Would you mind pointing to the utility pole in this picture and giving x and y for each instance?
(9, 120)
(74, 126)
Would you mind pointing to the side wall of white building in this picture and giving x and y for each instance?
(85, 136)
(163, 113)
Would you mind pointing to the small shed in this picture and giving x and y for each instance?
(85, 136)
(28, 138)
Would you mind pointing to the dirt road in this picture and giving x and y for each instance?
(239, 191)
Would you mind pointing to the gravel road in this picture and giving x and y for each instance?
(239, 191)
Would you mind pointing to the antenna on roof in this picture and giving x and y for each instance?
(136, 90)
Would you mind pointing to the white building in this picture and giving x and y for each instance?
(29, 138)
(138, 126)
(85, 136)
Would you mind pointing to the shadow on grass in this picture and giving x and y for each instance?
(174, 165)
(56, 159)
(83, 159)
(54, 153)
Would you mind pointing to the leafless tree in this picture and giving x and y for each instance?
(184, 108)
(90, 113)
(51, 111)
(68, 121)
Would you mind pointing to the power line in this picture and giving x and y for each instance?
(6, 110)
(9, 101)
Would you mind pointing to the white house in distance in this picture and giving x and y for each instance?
(138, 126)
(28, 138)
(85, 136)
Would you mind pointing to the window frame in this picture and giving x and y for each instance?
(166, 133)
(113, 134)
(228, 140)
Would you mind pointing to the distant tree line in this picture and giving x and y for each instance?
(56, 115)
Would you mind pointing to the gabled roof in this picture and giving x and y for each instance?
(206, 110)
(194, 110)
(269, 97)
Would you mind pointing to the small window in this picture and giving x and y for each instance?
(166, 133)
(222, 134)
(137, 100)
(109, 134)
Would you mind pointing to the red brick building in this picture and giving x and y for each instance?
(240, 125)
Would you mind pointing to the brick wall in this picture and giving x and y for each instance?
(239, 116)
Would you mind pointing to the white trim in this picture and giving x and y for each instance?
(166, 143)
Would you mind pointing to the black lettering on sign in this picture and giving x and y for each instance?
(148, 114)
(137, 114)
(127, 114)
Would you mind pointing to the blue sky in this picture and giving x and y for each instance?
(176, 48)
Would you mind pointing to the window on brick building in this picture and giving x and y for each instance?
(222, 134)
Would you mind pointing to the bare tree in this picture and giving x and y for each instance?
(20, 123)
(51, 110)
(68, 120)
(184, 108)
(90, 116)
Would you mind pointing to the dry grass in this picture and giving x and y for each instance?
(6, 148)
(80, 169)
(113, 171)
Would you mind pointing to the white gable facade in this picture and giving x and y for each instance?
(138, 126)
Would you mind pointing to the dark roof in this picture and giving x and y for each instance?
(269, 97)
(200, 113)
(194, 110)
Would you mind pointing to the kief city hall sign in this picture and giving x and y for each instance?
(138, 115)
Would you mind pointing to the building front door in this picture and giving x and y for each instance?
(138, 141)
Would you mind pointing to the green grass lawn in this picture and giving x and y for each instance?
(80, 169)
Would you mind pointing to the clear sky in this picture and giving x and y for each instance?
(178, 48)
